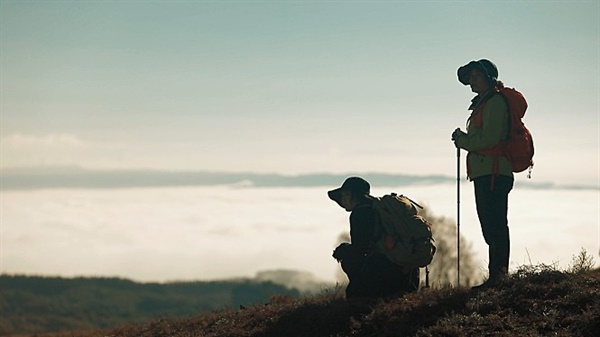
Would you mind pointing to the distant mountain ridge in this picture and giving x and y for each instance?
(75, 177)
(72, 177)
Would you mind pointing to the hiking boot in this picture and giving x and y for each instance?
(485, 285)
(492, 282)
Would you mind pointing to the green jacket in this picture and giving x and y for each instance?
(494, 118)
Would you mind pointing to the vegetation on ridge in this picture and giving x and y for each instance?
(534, 301)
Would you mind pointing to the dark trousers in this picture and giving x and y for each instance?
(376, 276)
(492, 210)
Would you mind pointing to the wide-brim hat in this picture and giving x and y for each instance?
(357, 185)
(486, 66)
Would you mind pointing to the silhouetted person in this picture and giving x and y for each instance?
(371, 274)
(492, 177)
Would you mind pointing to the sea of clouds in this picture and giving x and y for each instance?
(218, 232)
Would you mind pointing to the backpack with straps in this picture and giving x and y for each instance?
(406, 239)
(518, 147)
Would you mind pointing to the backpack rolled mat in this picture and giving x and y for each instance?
(406, 239)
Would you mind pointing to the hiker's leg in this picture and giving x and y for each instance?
(384, 278)
(352, 266)
(499, 223)
(408, 280)
(375, 276)
(492, 209)
(482, 202)
(413, 280)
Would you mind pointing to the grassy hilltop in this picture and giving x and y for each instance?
(534, 301)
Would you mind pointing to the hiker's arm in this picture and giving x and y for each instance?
(362, 225)
(495, 125)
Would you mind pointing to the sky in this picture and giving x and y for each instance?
(289, 86)
(282, 87)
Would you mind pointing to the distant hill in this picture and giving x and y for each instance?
(303, 281)
(30, 304)
(534, 301)
(75, 177)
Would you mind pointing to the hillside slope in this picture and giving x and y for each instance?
(31, 304)
(535, 301)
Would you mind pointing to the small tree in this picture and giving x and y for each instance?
(443, 268)
(582, 262)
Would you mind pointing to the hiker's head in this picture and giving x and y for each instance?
(351, 193)
(481, 75)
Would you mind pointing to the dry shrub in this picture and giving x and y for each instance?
(582, 262)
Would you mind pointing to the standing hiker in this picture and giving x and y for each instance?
(371, 274)
(492, 175)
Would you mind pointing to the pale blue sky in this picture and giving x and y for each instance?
(290, 87)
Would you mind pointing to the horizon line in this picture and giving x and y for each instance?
(73, 177)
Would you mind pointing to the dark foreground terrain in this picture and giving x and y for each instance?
(535, 301)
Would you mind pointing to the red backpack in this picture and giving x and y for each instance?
(518, 147)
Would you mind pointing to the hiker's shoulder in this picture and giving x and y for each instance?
(496, 103)
(496, 99)
(363, 210)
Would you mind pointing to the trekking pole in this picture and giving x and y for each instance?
(458, 215)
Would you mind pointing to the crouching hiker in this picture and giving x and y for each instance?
(370, 272)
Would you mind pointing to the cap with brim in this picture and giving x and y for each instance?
(358, 186)
(487, 66)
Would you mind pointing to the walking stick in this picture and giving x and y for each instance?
(458, 214)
